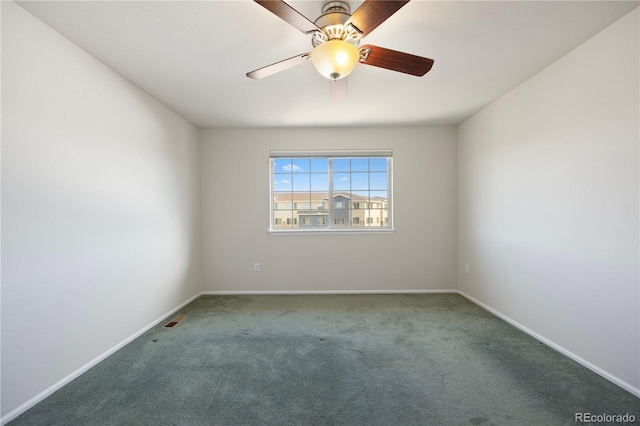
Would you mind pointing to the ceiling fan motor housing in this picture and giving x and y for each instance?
(332, 21)
(336, 6)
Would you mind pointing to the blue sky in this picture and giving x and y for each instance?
(363, 176)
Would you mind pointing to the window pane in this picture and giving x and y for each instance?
(301, 165)
(378, 181)
(360, 181)
(282, 165)
(341, 165)
(341, 181)
(362, 197)
(282, 199)
(320, 182)
(301, 198)
(359, 164)
(377, 217)
(283, 219)
(339, 221)
(378, 164)
(319, 200)
(320, 165)
(379, 195)
(301, 182)
(282, 183)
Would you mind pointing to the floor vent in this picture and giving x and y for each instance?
(177, 320)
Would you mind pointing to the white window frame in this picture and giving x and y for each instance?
(386, 227)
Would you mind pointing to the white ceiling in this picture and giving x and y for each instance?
(193, 56)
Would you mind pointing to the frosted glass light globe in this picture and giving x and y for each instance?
(335, 59)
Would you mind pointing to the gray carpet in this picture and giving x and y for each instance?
(431, 359)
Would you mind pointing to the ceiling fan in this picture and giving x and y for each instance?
(336, 37)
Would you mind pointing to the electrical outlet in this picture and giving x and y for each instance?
(256, 267)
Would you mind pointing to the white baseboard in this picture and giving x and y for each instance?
(45, 393)
(294, 292)
(615, 380)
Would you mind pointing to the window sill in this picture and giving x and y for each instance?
(330, 231)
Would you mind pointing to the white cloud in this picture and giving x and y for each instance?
(289, 167)
(364, 188)
(344, 179)
(284, 181)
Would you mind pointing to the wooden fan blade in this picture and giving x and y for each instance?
(279, 66)
(396, 61)
(289, 15)
(372, 13)
(338, 89)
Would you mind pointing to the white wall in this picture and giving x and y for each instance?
(548, 204)
(420, 255)
(100, 208)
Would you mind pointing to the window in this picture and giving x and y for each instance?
(341, 190)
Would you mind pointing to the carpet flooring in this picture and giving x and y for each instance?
(405, 359)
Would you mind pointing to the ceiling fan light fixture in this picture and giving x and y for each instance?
(335, 59)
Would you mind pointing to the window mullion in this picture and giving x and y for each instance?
(330, 194)
(370, 220)
(272, 202)
(389, 192)
(350, 185)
